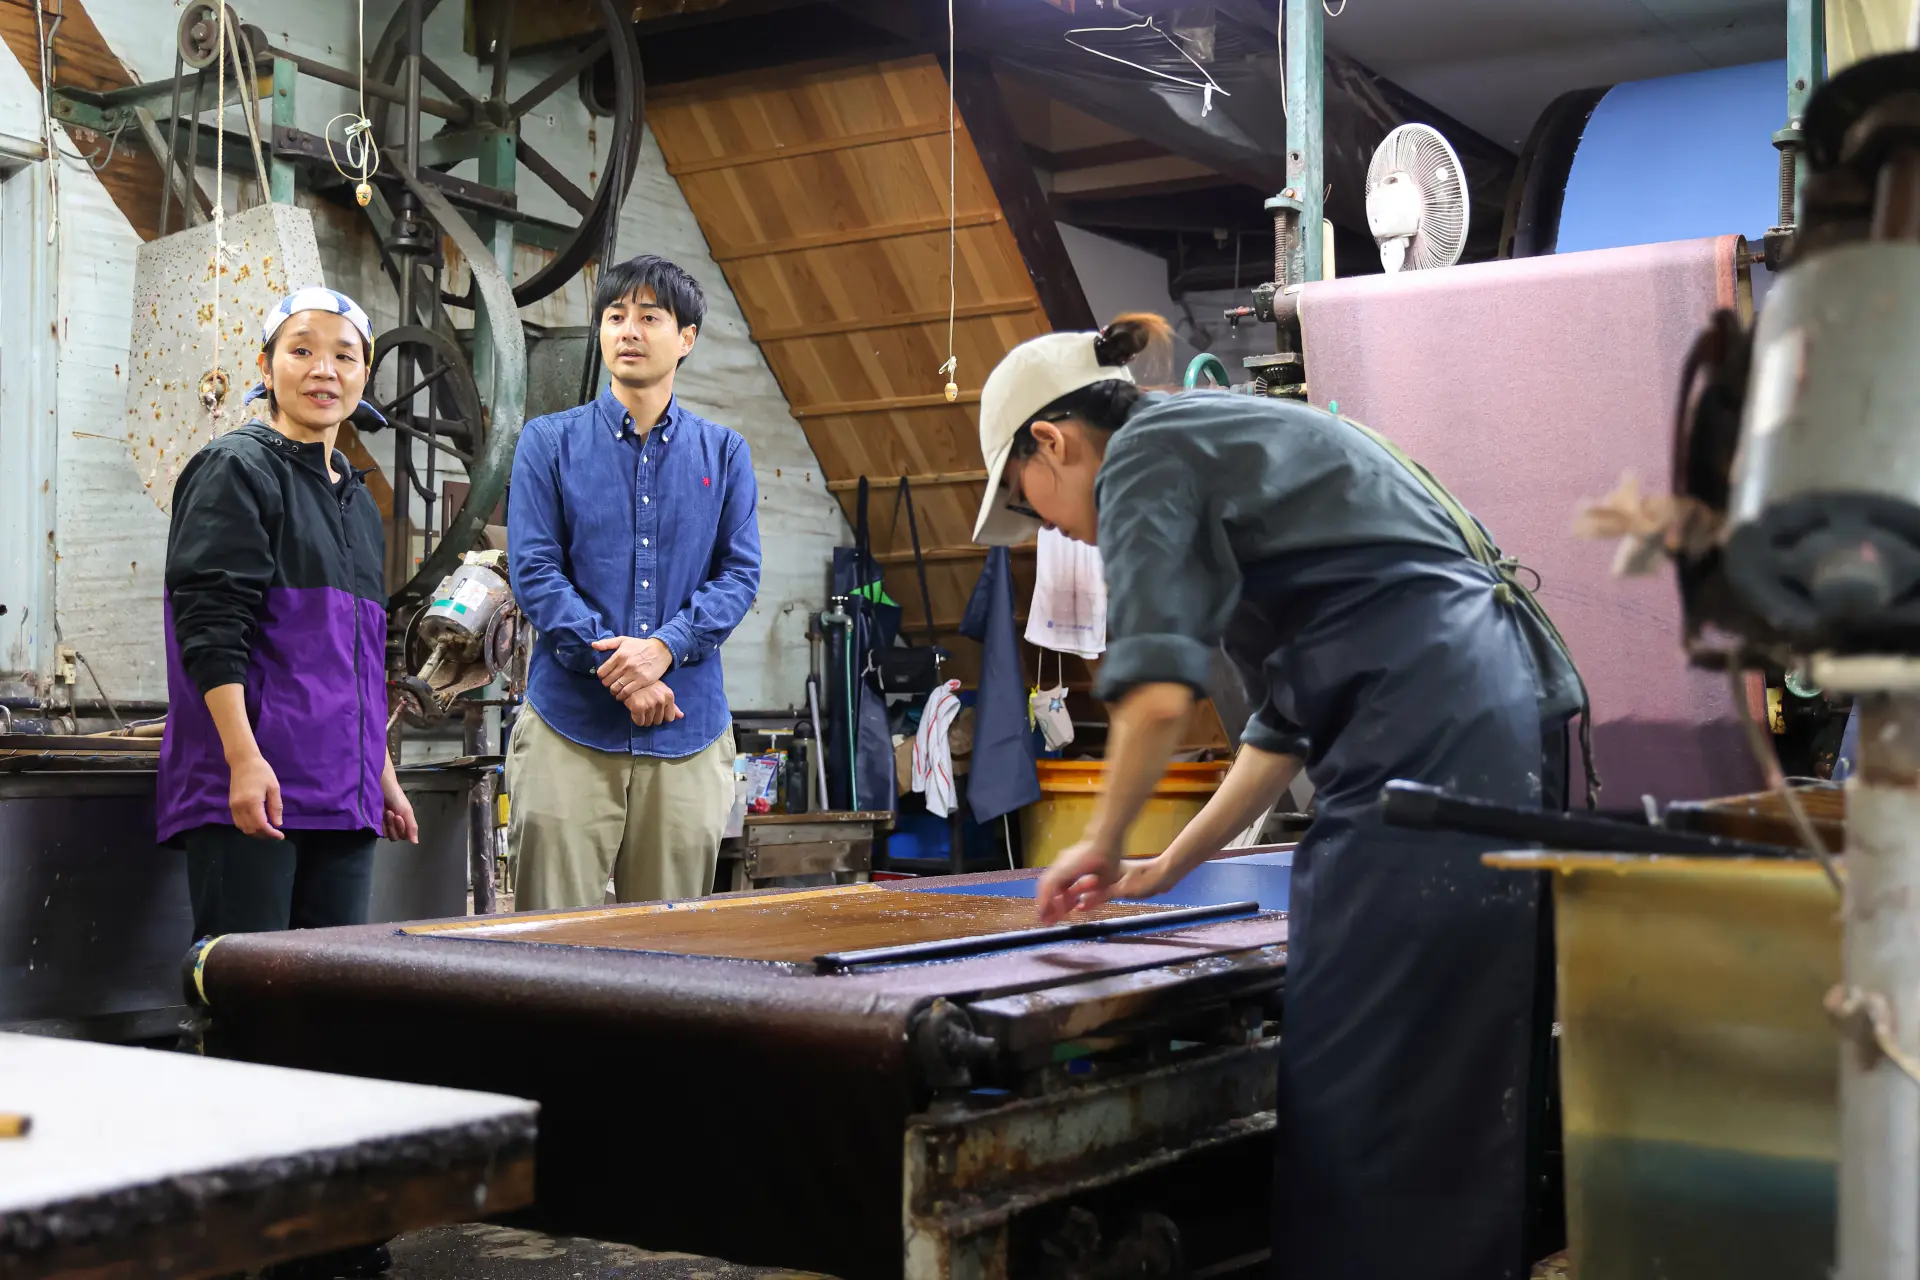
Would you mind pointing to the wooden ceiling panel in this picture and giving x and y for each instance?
(898, 361)
(797, 108)
(899, 442)
(902, 279)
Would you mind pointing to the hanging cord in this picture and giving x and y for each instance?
(357, 140)
(952, 367)
(1207, 86)
(47, 135)
(1280, 51)
(94, 158)
(1332, 12)
(1769, 762)
(100, 688)
(214, 387)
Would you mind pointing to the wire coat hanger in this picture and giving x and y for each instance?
(1208, 87)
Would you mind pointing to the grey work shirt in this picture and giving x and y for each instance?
(1199, 484)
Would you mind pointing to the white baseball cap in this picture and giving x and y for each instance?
(1032, 376)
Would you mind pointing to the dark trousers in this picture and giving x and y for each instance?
(310, 880)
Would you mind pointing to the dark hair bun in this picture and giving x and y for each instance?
(1128, 336)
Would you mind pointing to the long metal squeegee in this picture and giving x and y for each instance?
(986, 944)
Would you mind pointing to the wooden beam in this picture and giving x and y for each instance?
(1004, 156)
(874, 324)
(1095, 157)
(850, 408)
(846, 142)
(1148, 188)
(81, 59)
(857, 235)
(931, 480)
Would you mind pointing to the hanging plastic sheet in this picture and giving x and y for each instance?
(1242, 132)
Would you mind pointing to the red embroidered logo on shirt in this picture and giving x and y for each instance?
(707, 480)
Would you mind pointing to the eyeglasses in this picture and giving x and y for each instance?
(1013, 503)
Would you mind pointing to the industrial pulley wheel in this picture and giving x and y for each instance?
(607, 55)
(440, 403)
(423, 385)
(199, 34)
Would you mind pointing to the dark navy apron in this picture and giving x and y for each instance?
(1407, 1042)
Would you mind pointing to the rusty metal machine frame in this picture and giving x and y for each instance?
(956, 1114)
(969, 1173)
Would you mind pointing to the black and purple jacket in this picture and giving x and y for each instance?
(275, 581)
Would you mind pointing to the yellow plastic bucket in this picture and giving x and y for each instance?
(1067, 791)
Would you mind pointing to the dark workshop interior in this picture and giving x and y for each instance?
(959, 639)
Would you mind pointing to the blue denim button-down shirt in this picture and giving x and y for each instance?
(612, 534)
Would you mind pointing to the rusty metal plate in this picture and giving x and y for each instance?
(789, 927)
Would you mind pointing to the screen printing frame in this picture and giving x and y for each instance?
(850, 1122)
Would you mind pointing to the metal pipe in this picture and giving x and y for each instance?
(1879, 1002)
(1306, 75)
(411, 147)
(479, 812)
(399, 541)
(375, 88)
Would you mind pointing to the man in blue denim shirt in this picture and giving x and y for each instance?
(635, 552)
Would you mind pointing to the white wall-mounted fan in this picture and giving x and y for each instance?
(1417, 200)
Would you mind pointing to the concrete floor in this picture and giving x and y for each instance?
(478, 1251)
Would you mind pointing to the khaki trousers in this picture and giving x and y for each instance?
(578, 815)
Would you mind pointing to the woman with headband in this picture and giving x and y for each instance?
(274, 774)
(1381, 642)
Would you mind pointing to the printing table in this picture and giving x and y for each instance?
(149, 1164)
(758, 1077)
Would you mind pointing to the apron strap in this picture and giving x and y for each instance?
(1511, 590)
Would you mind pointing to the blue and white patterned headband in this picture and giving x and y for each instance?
(319, 299)
(316, 299)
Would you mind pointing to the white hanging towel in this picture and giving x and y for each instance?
(1069, 611)
(933, 753)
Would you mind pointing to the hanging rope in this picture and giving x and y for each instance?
(213, 388)
(952, 367)
(357, 140)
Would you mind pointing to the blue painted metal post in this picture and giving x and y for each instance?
(1306, 136)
